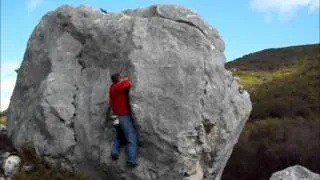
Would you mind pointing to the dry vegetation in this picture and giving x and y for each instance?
(3, 119)
(284, 126)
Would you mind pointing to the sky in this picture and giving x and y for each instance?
(246, 26)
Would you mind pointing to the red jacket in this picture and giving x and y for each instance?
(118, 97)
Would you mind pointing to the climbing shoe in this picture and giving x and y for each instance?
(114, 157)
(131, 165)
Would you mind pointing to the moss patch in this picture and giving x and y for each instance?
(3, 120)
(41, 171)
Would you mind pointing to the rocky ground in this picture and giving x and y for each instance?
(8, 166)
(22, 166)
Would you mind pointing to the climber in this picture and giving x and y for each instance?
(118, 98)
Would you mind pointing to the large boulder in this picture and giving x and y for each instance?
(188, 109)
(296, 172)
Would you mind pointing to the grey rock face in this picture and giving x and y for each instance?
(295, 173)
(188, 109)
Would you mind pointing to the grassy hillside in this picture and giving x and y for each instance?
(288, 92)
(3, 119)
(284, 126)
(274, 59)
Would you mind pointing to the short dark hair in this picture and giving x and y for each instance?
(115, 77)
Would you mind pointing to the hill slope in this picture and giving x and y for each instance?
(284, 127)
(274, 59)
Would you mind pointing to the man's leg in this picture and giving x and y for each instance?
(121, 137)
(129, 132)
(115, 147)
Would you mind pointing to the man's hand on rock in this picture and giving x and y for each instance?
(124, 78)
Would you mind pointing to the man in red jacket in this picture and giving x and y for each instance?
(118, 98)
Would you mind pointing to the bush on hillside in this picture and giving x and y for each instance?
(273, 144)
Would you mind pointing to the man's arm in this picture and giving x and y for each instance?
(126, 84)
(109, 110)
(108, 114)
(123, 85)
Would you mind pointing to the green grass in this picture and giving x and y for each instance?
(288, 92)
(294, 69)
(252, 79)
(249, 79)
(3, 119)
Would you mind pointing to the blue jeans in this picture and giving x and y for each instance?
(130, 135)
